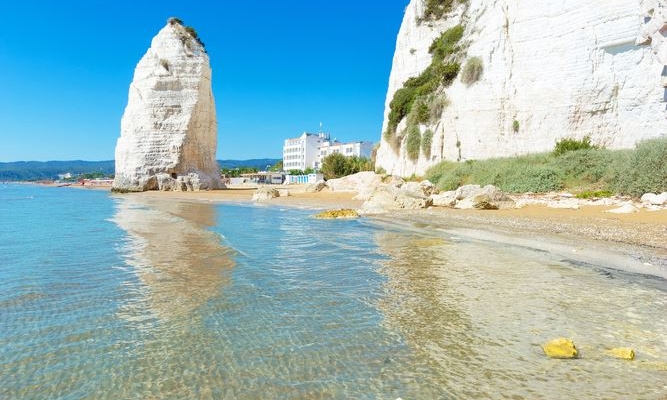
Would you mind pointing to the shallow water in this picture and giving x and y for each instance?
(117, 297)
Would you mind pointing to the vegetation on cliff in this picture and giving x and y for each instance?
(191, 32)
(436, 9)
(418, 100)
(583, 169)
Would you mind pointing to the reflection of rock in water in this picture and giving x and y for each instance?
(180, 262)
(420, 302)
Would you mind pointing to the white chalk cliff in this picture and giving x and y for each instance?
(168, 137)
(551, 70)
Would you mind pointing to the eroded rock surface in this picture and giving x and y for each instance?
(168, 136)
(594, 69)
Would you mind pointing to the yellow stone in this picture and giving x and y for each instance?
(624, 353)
(560, 348)
(334, 214)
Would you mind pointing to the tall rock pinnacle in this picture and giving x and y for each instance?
(168, 135)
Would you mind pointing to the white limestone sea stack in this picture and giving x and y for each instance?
(168, 137)
(549, 70)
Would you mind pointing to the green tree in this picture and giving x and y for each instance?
(337, 165)
(277, 167)
(334, 166)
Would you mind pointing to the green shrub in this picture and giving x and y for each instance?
(518, 174)
(399, 107)
(588, 194)
(446, 44)
(449, 175)
(595, 172)
(566, 144)
(472, 71)
(421, 111)
(413, 143)
(436, 104)
(435, 9)
(533, 178)
(515, 126)
(643, 170)
(585, 167)
(449, 72)
(337, 165)
(427, 142)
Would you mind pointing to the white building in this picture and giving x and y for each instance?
(308, 150)
(302, 152)
(359, 149)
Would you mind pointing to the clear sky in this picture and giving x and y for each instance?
(279, 69)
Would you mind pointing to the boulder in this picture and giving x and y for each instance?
(467, 191)
(487, 198)
(265, 193)
(568, 203)
(424, 188)
(626, 208)
(315, 187)
(361, 183)
(392, 197)
(624, 353)
(560, 348)
(342, 213)
(655, 199)
(444, 199)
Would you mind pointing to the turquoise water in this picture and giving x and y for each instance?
(114, 297)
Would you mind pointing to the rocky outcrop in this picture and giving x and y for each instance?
(477, 197)
(315, 187)
(362, 183)
(550, 71)
(265, 193)
(168, 136)
(398, 195)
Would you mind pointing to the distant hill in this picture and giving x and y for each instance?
(259, 163)
(49, 170)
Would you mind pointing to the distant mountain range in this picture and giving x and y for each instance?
(49, 170)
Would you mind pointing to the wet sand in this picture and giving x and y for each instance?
(638, 238)
(643, 228)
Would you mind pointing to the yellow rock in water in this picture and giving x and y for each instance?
(560, 348)
(333, 214)
(624, 353)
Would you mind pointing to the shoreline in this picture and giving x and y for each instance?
(635, 242)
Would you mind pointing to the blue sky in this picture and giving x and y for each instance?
(279, 69)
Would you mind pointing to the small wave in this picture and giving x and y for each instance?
(17, 198)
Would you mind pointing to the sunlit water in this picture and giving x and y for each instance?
(112, 297)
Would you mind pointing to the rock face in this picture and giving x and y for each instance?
(168, 136)
(550, 71)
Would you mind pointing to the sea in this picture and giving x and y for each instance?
(107, 296)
